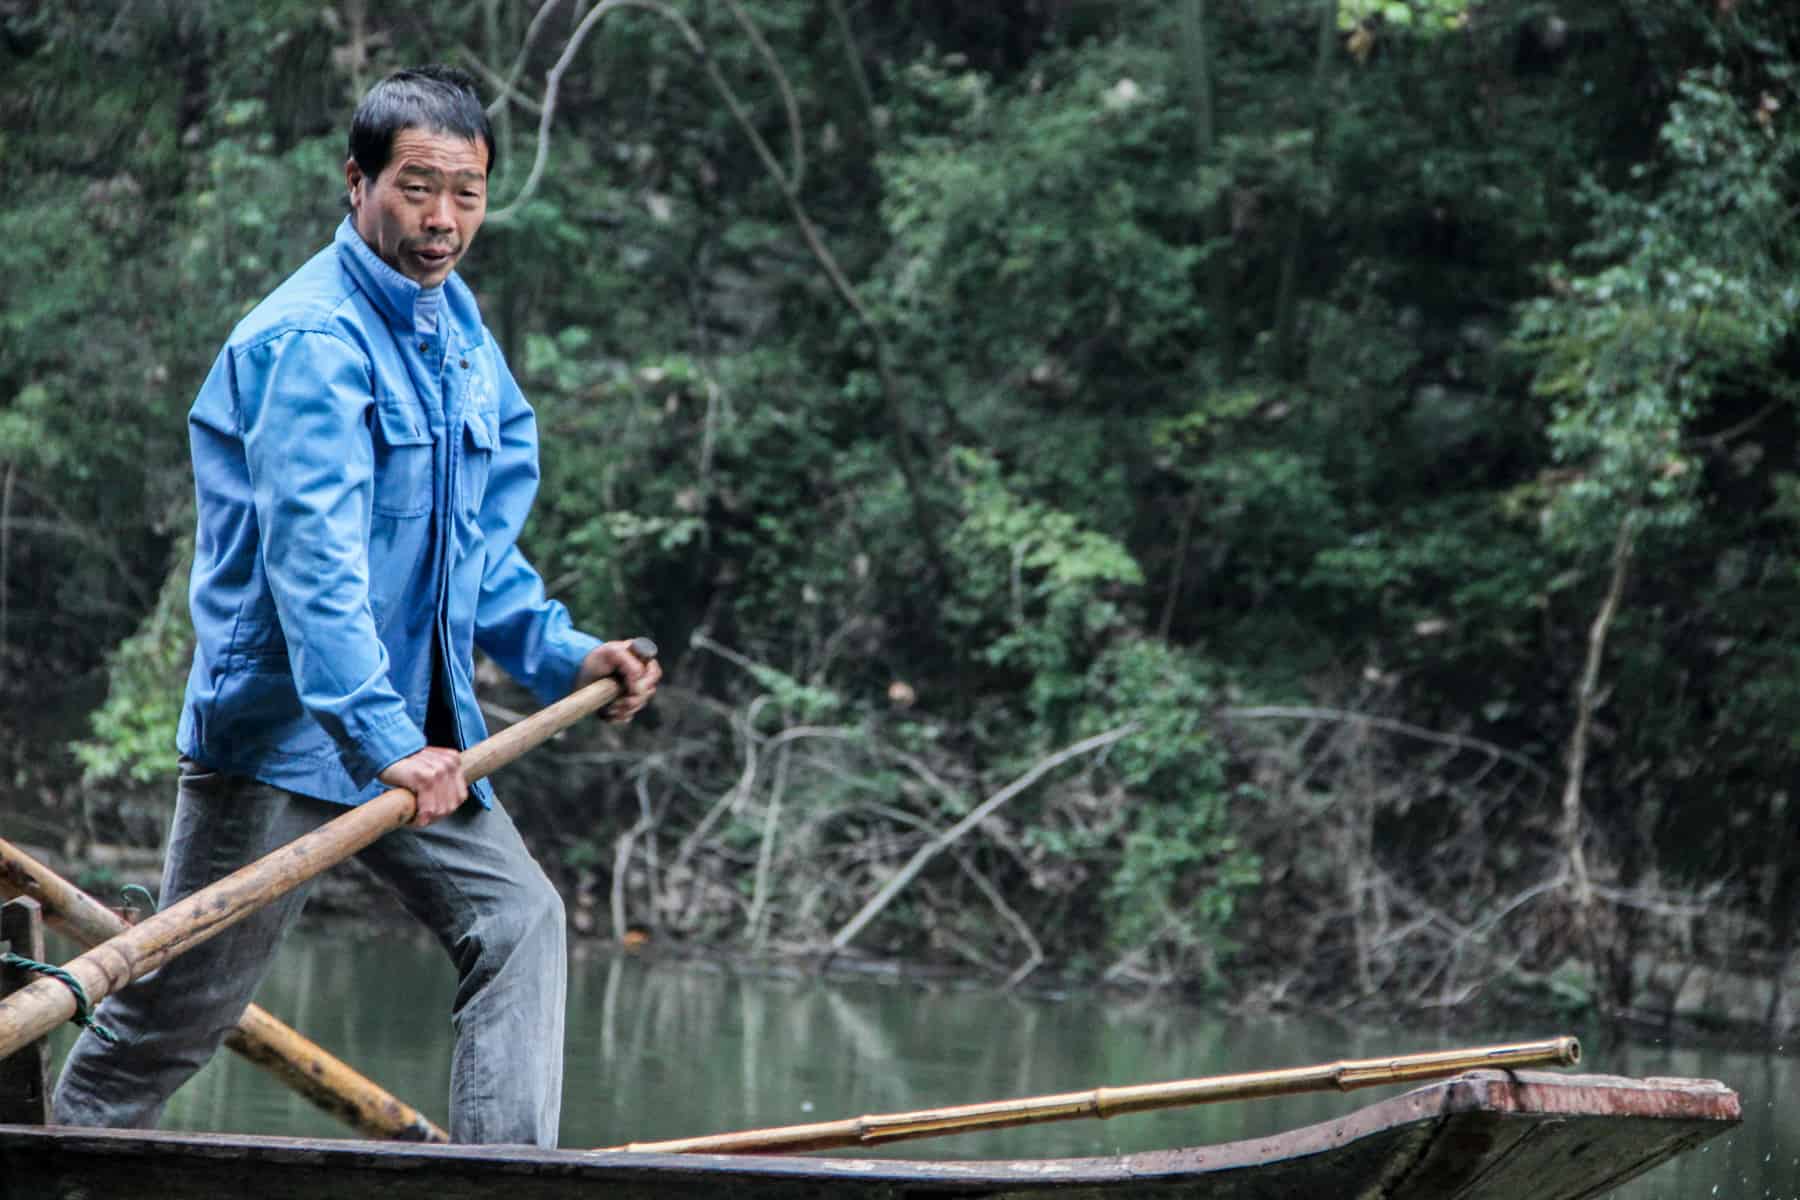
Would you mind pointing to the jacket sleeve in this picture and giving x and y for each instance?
(530, 635)
(303, 401)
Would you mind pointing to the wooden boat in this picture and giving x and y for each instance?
(1486, 1135)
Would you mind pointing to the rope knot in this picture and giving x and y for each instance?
(84, 1010)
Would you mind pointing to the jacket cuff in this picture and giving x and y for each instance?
(562, 664)
(380, 747)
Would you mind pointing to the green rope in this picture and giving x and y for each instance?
(84, 1011)
(129, 894)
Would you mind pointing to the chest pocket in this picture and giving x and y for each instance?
(402, 461)
(481, 441)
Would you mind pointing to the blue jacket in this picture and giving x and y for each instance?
(361, 488)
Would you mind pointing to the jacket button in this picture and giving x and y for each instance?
(463, 363)
(424, 348)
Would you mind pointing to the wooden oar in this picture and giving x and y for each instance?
(1111, 1102)
(314, 1072)
(31, 1012)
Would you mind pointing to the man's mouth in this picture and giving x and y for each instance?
(435, 255)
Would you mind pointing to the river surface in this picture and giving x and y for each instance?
(660, 1049)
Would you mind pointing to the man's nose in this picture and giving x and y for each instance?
(438, 217)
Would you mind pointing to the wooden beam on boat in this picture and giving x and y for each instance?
(25, 1077)
(1104, 1102)
(328, 1082)
(1489, 1135)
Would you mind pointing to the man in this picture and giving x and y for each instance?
(363, 463)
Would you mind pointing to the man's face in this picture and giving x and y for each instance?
(422, 211)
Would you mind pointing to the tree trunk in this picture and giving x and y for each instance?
(1574, 826)
(1286, 300)
(1197, 55)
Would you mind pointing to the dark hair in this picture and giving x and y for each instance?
(439, 98)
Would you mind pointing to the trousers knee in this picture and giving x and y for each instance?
(540, 914)
(529, 924)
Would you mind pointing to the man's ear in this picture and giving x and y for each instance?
(353, 177)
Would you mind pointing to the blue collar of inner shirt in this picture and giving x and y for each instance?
(397, 296)
(428, 309)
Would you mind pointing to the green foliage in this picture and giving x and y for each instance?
(1425, 14)
(143, 250)
(1037, 593)
(1462, 561)
(1691, 290)
(133, 738)
(89, 405)
(1040, 261)
(1075, 165)
(1542, 284)
(1182, 864)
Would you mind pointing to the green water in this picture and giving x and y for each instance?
(668, 1049)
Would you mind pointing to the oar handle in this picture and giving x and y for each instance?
(35, 1010)
(487, 756)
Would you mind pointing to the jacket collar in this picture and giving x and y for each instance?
(393, 293)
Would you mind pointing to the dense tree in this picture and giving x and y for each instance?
(1314, 478)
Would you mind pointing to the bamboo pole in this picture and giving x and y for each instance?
(315, 1073)
(1111, 1102)
(31, 1012)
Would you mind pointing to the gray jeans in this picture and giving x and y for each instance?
(468, 877)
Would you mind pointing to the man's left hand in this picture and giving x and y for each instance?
(637, 678)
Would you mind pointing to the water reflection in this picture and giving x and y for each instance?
(663, 1050)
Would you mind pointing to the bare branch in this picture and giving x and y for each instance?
(552, 82)
(1034, 957)
(505, 90)
(1661, 905)
(1712, 440)
(755, 746)
(1034, 951)
(985, 809)
(1388, 724)
(765, 851)
(853, 56)
(732, 797)
(622, 857)
(700, 641)
(796, 177)
(1586, 693)
(508, 86)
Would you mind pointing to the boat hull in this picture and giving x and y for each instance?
(1488, 1135)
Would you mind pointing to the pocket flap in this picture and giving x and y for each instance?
(483, 429)
(400, 425)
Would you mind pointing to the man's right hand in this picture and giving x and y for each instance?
(435, 776)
